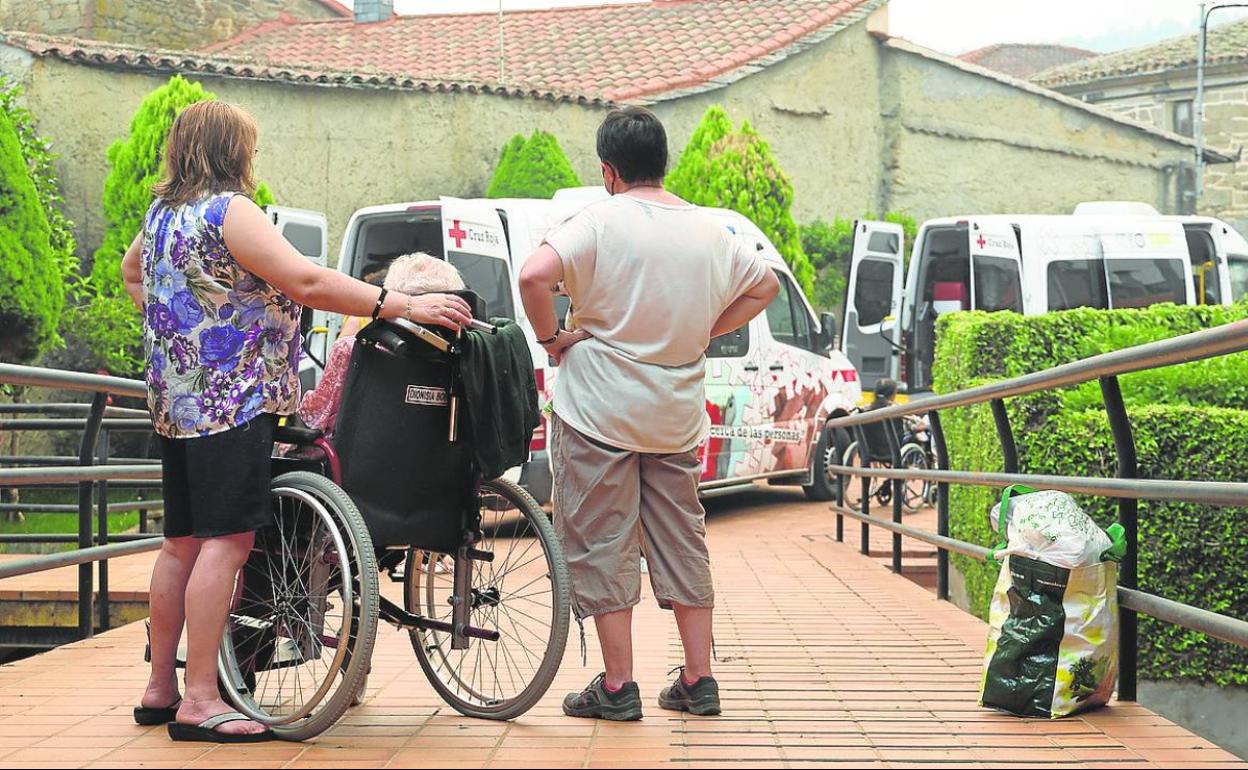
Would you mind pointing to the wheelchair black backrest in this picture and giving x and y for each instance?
(413, 485)
(876, 434)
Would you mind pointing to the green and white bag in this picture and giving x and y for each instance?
(1053, 631)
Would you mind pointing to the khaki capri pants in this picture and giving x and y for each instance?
(611, 506)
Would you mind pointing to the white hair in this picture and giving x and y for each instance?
(420, 273)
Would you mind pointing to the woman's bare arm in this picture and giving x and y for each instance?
(261, 249)
(132, 271)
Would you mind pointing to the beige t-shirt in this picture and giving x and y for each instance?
(648, 280)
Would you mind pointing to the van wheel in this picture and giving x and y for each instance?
(831, 446)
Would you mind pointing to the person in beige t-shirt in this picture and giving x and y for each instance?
(652, 279)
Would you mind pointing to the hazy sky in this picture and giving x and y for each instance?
(957, 26)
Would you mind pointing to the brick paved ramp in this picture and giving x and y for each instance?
(826, 658)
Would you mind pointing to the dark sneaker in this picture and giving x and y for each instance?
(597, 702)
(700, 698)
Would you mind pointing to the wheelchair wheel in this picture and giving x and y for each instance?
(523, 595)
(915, 492)
(853, 484)
(297, 644)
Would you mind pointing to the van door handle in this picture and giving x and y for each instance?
(751, 367)
(776, 367)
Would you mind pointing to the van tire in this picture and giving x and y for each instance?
(824, 488)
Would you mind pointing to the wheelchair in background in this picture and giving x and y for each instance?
(915, 454)
(397, 489)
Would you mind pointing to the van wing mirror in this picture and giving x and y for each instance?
(827, 331)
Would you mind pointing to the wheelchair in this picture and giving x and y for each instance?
(878, 454)
(397, 490)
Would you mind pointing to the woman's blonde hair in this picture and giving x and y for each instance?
(420, 273)
(209, 150)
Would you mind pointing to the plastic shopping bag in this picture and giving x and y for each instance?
(1049, 526)
(1053, 630)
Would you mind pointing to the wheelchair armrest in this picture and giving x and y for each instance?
(299, 436)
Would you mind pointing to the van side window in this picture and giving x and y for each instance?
(1204, 258)
(731, 345)
(1077, 283)
(997, 285)
(488, 277)
(788, 325)
(1144, 282)
(873, 297)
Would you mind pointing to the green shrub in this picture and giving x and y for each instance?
(828, 246)
(40, 160)
(32, 288)
(1188, 423)
(734, 169)
(531, 168)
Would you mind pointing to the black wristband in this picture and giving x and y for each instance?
(381, 300)
(548, 340)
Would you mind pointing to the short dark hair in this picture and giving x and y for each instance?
(632, 141)
(885, 389)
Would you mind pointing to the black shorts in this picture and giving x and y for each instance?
(218, 485)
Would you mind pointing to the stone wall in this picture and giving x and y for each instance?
(858, 125)
(961, 143)
(177, 24)
(818, 109)
(1226, 130)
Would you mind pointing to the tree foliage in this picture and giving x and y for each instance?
(734, 169)
(828, 246)
(32, 289)
(531, 168)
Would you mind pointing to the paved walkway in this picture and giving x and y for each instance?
(826, 658)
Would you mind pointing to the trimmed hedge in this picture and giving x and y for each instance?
(1188, 423)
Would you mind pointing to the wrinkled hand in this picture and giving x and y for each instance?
(564, 340)
(441, 310)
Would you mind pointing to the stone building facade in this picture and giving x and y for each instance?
(1156, 85)
(860, 120)
(175, 24)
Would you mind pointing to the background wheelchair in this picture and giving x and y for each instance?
(397, 490)
(915, 454)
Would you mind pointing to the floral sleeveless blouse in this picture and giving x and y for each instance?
(222, 345)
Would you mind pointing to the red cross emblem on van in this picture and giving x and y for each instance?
(458, 234)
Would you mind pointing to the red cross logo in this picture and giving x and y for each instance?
(981, 240)
(459, 235)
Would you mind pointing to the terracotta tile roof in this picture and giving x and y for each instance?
(116, 56)
(1022, 60)
(613, 53)
(1227, 44)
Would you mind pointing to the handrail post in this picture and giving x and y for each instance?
(942, 504)
(1009, 450)
(1128, 511)
(86, 455)
(102, 504)
(894, 448)
(864, 460)
(841, 481)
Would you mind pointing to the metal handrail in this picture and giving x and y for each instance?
(1127, 489)
(62, 379)
(1196, 346)
(91, 475)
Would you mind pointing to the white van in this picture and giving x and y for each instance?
(1030, 264)
(771, 386)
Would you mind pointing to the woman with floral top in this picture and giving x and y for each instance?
(221, 293)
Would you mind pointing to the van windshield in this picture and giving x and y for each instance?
(382, 238)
